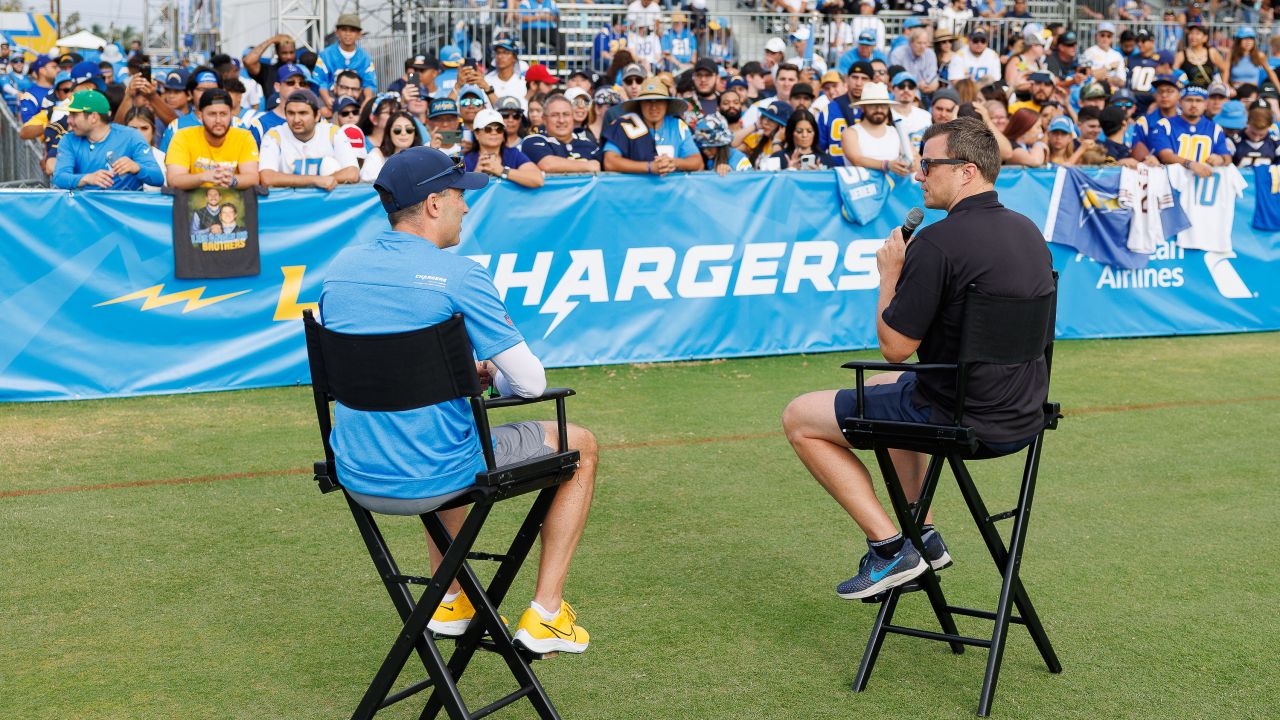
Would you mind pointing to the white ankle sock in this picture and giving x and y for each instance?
(547, 615)
(450, 597)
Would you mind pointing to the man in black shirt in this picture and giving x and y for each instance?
(921, 304)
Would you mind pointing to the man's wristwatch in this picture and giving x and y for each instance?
(505, 173)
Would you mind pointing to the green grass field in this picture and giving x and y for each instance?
(210, 579)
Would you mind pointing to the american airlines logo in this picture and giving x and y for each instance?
(1162, 272)
(701, 271)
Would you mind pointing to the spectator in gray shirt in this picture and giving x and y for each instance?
(916, 56)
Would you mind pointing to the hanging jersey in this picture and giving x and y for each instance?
(1192, 141)
(1142, 72)
(1156, 216)
(1266, 191)
(1210, 205)
(1246, 152)
(862, 193)
(840, 114)
(285, 153)
(1085, 213)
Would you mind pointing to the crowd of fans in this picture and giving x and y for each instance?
(660, 101)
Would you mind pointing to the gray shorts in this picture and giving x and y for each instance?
(512, 443)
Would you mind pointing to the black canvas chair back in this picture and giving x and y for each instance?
(994, 331)
(395, 372)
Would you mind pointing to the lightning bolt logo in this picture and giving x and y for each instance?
(153, 298)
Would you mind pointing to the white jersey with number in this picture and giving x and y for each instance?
(1145, 190)
(284, 153)
(1210, 204)
(982, 69)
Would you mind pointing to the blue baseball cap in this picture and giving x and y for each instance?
(1165, 57)
(87, 71)
(450, 56)
(506, 42)
(902, 77)
(1166, 80)
(471, 90)
(1246, 32)
(867, 37)
(63, 76)
(1122, 95)
(1062, 123)
(39, 62)
(912, 22)
(441, 107)
(344, 102)
(176, 80)
(736, 83)
(206, 76)
(777, 111)
(1233, 116)
(1195, 91)
(288, 70)
(409, 176)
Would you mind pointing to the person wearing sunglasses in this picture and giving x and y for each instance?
(402, 134)
(403, 279)
(511, 109)
(604, 99)
(559, 150)
(632, 80)
(491, 156)
(980, 244)
(471, 100)
(975, 61)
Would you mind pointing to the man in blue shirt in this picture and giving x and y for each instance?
(43, 71)
(651, 139)
(405, 462)
(678, 44)
(1167, 89)
(345, 55)
(539, 21)
(100, 154)
(610, 39)
(1191, 139)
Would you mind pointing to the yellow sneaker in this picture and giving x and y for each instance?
(452, 618)
(562, 634)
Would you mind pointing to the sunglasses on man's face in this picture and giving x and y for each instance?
(632, 81)
(1122, 104)
(927, 164)
(349, 112)
(471, 102)
(295, 82)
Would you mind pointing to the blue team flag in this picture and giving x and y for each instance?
(1266, 193)
(862, 193)
(1085, 214)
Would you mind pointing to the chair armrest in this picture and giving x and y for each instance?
(909, 367)
(514, 400)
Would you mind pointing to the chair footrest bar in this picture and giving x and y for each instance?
(1002, 516)
(486, 556)
(410, 579)
(944, 637)
(413, 689)
(987, 614)
(499, 704)
(486, 643)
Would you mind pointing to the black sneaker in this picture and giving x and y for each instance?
(876, 574)
(935, 551)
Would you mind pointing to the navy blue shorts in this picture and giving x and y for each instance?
(884, 402)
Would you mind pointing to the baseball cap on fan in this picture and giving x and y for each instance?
(410, 176)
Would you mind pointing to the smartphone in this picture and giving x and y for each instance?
(809, 161)
(450, 137)
(471, 63)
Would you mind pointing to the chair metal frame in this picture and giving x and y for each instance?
(437, 365)
(1024, 329)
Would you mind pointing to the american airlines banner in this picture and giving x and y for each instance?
(594, 270)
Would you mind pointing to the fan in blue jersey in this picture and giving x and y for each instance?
(610, 39)
(678, 44)
(714, 139)
(1167, 92)
(1250, 134)
(650, 138)
(558, 150)
(841, 113)
(1142, 66)
(345, 55)
(1191, 139)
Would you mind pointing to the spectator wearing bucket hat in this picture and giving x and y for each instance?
(345, 54)
(506, 79)
(714, 139)
(559, 150)
(1253, 141)
(761, 142)
(650, 138)
(490, 154)
(1247, 62)
(874, 142)
(99, 154)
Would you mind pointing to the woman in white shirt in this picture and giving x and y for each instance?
(401, 134)
(141, 118)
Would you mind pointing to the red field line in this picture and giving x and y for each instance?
(671, 442)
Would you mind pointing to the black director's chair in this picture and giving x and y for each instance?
(998, 331)
(404, 371)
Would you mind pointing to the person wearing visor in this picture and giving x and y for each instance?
(401, 462)
(651, 139)
(490, 155)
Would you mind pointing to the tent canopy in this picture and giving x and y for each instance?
(84, 40)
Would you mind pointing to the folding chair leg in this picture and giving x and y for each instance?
(490, 599)
(416, 626)
(883, 618)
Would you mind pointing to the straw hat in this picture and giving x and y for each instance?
(655, 89)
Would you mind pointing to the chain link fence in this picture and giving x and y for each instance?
(19, 159)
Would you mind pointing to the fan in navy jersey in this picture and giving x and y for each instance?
(1250, 134)
(1167, 90)
(1191, 139)
(1142, 67)
(558, 150)
(842, 113)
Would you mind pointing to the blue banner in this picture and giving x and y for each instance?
(594, 270)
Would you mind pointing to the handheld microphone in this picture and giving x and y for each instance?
(912, 221)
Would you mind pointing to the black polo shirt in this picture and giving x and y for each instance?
(1002, 253)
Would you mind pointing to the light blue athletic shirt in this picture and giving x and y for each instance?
(402, 282)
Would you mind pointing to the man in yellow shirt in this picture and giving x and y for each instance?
(213, 153)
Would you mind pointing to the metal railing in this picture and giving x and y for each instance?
(19, 159)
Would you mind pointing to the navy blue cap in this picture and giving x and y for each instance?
(87, 71)
(176, 80)
(409, 176)
(441, 107)
(1041, 77)
(288, 70)
(344, 102)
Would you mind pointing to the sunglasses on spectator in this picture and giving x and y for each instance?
(511, 114)
(295, 82)
(906, 84)
(494, 128)
(471, 102)
(402, 130)
(1122, 104)
(926, 164)
(978, 41)
(580, 102)
(633, 81)
(349, 112)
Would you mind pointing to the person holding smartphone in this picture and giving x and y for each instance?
(800, 149)
(446, 126)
